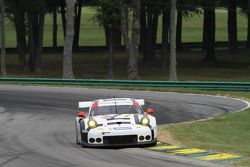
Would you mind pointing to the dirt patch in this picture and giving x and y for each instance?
(166, 137)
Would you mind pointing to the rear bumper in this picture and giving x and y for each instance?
(151, 142)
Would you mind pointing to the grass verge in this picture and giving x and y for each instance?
(228, 133)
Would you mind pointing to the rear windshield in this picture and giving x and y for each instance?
(120, 109)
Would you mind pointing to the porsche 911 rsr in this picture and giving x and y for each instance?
(115, 122)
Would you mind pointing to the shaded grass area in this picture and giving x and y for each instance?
(92, 34)
(228, 133)
(228, 67)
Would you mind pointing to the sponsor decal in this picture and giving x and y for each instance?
(125, 116)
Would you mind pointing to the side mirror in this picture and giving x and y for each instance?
(150, 111)
(82, 114)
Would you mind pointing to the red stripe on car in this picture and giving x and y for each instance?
(95, 105)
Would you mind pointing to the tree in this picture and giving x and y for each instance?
(245, 7)
(143, 27)
(151, 23)
(68, 43)
(78, 13)
(248, 22)
(55, 27)
(209, 29)
(35, 13)
(205, 27)
(179, 28)
(185, 9)
(247, 11)
(2, 40)
(63, 16)
(109, 16)
(52, 7)
(165, 38)
(232, 25)
(132, 46)
(173, 63)
(17, 7)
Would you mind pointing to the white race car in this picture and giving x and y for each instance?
(115, 122)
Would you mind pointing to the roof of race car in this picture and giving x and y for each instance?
(111, 102)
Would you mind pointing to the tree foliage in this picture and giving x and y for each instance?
(108, 13)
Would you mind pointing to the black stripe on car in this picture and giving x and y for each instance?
(136, 117)
(152, 134)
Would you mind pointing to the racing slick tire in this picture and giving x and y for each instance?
(78, 133)
(152, 144)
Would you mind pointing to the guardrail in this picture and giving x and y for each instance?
(242, 86)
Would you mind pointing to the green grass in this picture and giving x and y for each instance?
(91, 33)
(229, 133)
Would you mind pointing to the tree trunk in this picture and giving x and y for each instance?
(131, 46)
(39, 41)
(36, 29)
(179, 29)
(232, 26)
(68, 43)
(55, 27)
(152, 27)
(63, 15)
(143, 30)
(132, 62)
(124, 26)
(31, 63)
(20, 28)
(210, 48)
(107, 36)
(205, 27)
(2, 40)
(149, 37)
(173, 63)
(111, 56)
(154, 38)
(165, 38)
(248, 27)
(78, 13)
(117, 38)
(116, 34)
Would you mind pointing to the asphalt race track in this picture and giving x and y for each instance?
(37, 127)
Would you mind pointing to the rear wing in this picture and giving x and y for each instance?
(140, 101)
(87, 104)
